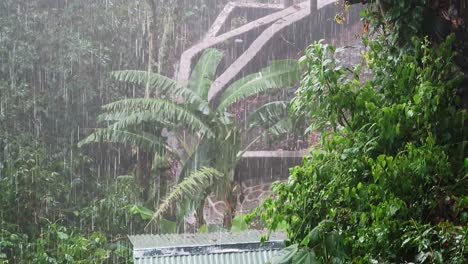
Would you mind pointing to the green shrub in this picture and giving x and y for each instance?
(57, 244)
(388, 182)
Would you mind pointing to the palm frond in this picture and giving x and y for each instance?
(138, 139)
(164, 85)
(130, 112)
(280, 74)
(195, 184)
(204, 72)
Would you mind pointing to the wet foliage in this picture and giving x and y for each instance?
(59, 203)
(387, 183)
(210, 134)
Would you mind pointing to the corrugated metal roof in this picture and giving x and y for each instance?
(210, 248)
(249, 257)
(186, 240)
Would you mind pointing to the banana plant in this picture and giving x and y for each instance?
(208, 134)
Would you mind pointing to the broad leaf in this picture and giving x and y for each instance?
(164, 85)
(154, 109)
(273, 117)
(138, 139)
(280, 74)
(269, 113)
(283, 126)
(305, 256)
(204, 72)
(140, 210)
(156, 81)
(285, 255)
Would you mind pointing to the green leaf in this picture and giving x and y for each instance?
(203, 229)
(157, 81)
(62, 236)
(140, 210)
(197, 182)
(280, 74)
(285, 255)
(138, 139)
(239, 224)
(204, 72)
(269, 113)
(165, 85)
(305, 256)
(315, 235)
(305, 242)
(130, 112)
(166, 226)
(283, 126)
(283, 225)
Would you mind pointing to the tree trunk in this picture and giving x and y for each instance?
(143, 171)
(231, 205)
(166, 40)
(162, 170)
(200, 216)
(145, 158)
(152, 41)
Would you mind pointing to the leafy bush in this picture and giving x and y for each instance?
(109, 209)
(37, 193)
(58, 244)
(388, 182)
(32, 186)
(399, 20)
(34, 190)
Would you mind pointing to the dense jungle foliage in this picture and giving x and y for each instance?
(388, 181)
(59, 203)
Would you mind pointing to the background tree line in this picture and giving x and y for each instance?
(58, 202)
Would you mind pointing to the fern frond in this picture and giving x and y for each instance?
(164, 85)
(204, 72)
(280, 74)
(138, 139)
(195, 184)
(130, 112)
